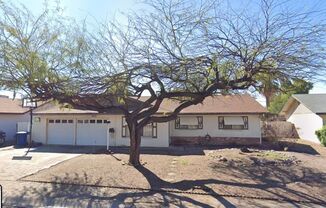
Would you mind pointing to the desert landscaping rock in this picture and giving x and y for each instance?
(245, 150)
(222, 159)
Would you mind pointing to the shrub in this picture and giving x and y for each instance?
(321, 134)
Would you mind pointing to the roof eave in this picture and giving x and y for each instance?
(287, 105)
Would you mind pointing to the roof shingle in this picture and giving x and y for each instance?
(12, 106)
(220, 104)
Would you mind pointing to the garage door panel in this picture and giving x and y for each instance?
(92, 132)
(61, 131)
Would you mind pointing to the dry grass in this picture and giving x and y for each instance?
(272, 155)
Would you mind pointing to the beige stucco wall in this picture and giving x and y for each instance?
(39, 130)
(210, 126)
(8, 123)
(306, 123)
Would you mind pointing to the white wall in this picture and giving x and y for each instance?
(8, 124)
(306, 123)
(210, 126)
(39, 130)
(116, 139)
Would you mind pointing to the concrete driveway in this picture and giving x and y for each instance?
(17, 163)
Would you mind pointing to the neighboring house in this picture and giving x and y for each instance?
(307, 112)
(230, 119)
(13, 116)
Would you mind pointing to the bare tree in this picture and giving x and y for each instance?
(182, 51)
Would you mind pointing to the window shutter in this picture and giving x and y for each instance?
(154, 130)
(245, 122)
(200, 122)
(124, 127)
(177, 123)
(220, 122)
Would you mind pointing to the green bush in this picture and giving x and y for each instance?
(321, 134)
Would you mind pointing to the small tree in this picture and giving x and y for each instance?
(297, 86)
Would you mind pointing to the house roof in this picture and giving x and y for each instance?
(314, 102)
(54, 108)
(12, 106)
(223, 104)
(219, 104)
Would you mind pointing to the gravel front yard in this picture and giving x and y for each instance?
(260, 173)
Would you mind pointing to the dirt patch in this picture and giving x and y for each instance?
(253, 157)
(259, 173)
(103, 169)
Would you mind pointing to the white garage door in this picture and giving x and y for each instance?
(61, 131)
(92, 131)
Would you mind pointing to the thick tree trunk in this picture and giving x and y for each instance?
(135, 139)
(268, 101)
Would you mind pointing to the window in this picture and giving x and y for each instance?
(57, 121)
(51, 121)
(86, 121)
(150, 130)
(190, 122)
(92, 121)
(70, 121)
(80, 121)
(233, 122)
(64, 121)
(106, 121)
(99, 121)
(154, 130)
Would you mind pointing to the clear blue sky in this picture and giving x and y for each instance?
(107, 9)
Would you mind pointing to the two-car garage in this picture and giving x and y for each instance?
(81, 131)
(56, 125)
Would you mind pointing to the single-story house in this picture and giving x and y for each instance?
(223, 119)
(307, 112)
(14, 116)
